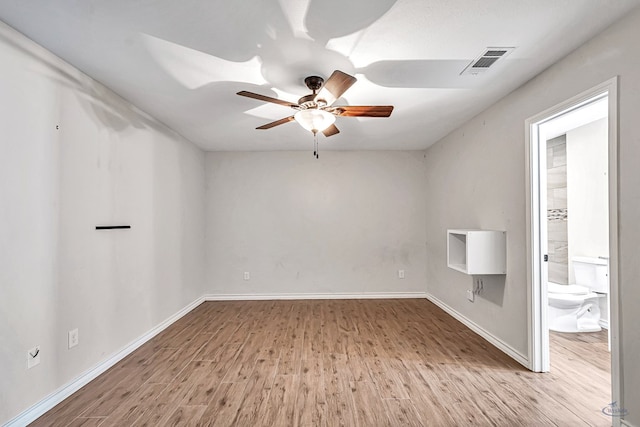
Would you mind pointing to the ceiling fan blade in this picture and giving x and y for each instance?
(364, 110)
(276, 123)
(331, 130)
(266, 98)
(335, 86)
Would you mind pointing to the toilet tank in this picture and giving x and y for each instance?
(592, 273)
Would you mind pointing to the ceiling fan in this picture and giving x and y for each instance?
(315, 112)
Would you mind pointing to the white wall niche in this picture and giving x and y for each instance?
(477, 251)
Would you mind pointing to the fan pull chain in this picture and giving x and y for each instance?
(315, 144)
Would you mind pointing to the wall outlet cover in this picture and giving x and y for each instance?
(33, 357)
(400, 274)
(247, 276)
(470, 295)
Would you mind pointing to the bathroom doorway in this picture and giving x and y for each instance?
(575, 207)
(556, 244)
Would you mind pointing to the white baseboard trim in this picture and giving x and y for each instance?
(497, 342)
(365, 295)
(37, 410)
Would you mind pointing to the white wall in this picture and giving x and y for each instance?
(343, 224)
(587, 191)
(29, 196)
(106, 163)
(472, 184)
(475, 178)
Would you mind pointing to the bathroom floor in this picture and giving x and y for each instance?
(585, 358)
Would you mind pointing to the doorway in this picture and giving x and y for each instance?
(539, 129)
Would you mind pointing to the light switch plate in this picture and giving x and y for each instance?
(73, 338)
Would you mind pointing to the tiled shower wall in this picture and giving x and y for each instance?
(557, 210)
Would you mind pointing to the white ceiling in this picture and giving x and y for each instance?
(183, 61)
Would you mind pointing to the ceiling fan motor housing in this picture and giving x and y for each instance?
(309, 101)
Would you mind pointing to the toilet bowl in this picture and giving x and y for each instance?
(572, 308)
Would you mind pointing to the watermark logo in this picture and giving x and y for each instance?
(613, 410)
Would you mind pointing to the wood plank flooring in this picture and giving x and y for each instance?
(336, 363)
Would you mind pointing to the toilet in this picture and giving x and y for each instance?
(576, 308)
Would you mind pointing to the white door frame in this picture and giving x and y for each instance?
(536, 295)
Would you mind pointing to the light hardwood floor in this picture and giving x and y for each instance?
(332, 363)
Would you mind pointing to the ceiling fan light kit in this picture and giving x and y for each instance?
(315, 112)
(314, 120)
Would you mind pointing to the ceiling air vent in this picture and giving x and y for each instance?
(489, 57)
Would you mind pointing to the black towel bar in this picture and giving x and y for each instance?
(111, 227)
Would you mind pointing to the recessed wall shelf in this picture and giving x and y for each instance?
(477, 251)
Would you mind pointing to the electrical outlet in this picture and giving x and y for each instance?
(73, 338)
(247, 276)
(400, 274)
(470, 295)
(33, 357)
